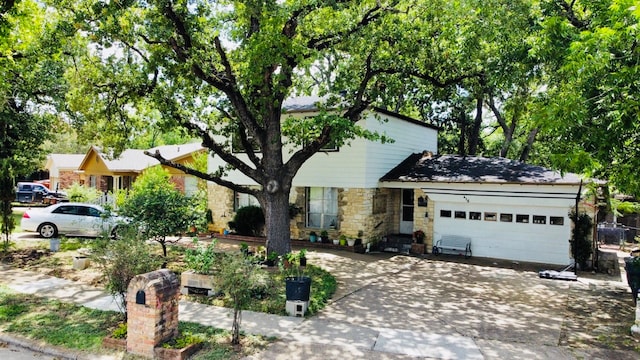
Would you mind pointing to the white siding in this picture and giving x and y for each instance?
(363, 162)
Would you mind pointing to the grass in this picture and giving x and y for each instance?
(55, 322)
(79, 328)
(17, 217)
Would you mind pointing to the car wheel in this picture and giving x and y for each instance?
(48, 230)
(114, 233)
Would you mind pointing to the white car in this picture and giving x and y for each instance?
(69, 219)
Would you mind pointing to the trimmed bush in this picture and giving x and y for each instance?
(248, 221)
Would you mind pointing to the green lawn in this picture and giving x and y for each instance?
(76, 327)
(17, 216)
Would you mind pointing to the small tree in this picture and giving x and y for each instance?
(159, 209)
(123, 259)
(238, 278)
(7, 195)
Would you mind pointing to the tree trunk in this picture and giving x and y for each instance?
(276, 215)
(474, 136)
(463, 134)
(524, 156)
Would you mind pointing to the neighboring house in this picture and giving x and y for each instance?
(106, 174)
(63, 170)
(338, 189)
(509, 210)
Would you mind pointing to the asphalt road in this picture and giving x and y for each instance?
(17, 353)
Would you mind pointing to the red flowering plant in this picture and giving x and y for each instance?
(419, 236)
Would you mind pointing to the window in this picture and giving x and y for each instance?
(474, 215)
(539, 219)
(506, 217)
(322, 207)
(66, 210)
(490, 216)
(242, 200)
(522, 218)
(461, 214)
(445, 213)
(556, 220)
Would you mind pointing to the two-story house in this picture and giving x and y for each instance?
(371, 190)
(338, 189)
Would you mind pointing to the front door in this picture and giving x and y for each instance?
(406, 212)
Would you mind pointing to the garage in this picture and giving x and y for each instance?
(510, 210)
(531, 225)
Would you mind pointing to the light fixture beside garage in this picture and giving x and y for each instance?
(422, 201)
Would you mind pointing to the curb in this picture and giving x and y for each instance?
(51, 350)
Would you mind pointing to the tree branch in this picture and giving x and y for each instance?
(566, 10)
(187, 170)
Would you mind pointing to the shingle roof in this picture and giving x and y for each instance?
(303, 104)
(424, 167)
(135, 160)
(65, 161)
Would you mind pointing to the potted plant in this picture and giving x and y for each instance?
(272, 259)
(298, 285)
(351, 241)
(324, 236)
(343, 240)
(313, 237)
(336, 242)
(419, 236)
(302, 257)
(244, 249)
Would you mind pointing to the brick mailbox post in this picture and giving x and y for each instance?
(152, 310)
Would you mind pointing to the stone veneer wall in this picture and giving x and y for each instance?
(374, 211)
(220, 200)
(422, 222)
(367, 210)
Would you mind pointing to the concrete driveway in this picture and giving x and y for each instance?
(397, 307)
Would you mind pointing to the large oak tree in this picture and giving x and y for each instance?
(223, 70)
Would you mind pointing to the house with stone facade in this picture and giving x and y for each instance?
(338, 189)
(374, 191)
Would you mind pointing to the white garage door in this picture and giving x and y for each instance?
(520, 233)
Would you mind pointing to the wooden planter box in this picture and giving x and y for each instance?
(176, 354)
(190, 279)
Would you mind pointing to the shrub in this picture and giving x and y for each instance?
(159, 209)
(581, 247)
(79, 193)
(201, 258)
(248, 221)
(121, 260)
